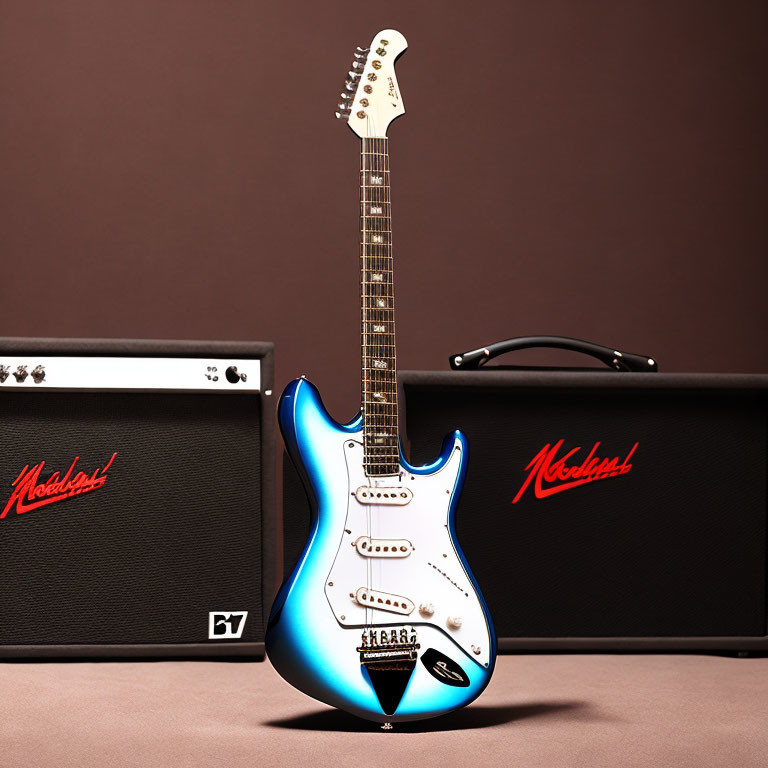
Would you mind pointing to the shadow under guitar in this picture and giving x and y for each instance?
(461, 719)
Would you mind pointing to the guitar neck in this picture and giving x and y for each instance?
(379, 366)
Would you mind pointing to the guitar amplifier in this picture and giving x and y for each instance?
(606, 510)
(136, 498)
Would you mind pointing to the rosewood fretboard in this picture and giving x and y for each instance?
(379, 369)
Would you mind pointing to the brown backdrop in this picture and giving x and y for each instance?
(599, 169)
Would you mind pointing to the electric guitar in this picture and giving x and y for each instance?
(381, 616)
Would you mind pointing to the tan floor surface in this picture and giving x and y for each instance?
(559, 710)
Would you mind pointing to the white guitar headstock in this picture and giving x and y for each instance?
(371, 97)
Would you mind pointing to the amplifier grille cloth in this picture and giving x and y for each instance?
(146, 557)
(675, 548)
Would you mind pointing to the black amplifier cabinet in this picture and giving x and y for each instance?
(136, 498)
(605, 510)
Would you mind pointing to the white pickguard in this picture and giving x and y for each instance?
(432, 574)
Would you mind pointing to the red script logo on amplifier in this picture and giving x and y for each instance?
(28, 494)
(544, 468)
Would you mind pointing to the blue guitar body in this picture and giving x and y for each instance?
(391, 635)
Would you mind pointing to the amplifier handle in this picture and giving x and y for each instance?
(613, 358)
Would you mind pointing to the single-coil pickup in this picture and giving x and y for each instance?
(367, 494)
(368, 547)
(383, 601)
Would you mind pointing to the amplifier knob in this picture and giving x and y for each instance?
(5, 372)
(234, 376)
(427, 610)
(38, 374)
(20, 373)
(454, 622)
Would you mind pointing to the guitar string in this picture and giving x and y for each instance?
(374, 161)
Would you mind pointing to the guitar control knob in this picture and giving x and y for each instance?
(38, 374)
(454, 622)
(5, 372)
(427, 610)
(20, 373)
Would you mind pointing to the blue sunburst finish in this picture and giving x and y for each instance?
(305, 640)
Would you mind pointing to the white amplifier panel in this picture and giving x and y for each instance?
(38, 372)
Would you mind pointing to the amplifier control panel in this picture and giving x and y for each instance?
(176, 374)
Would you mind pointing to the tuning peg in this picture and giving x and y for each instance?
(350, 86)
(357, 65)
(345, 95)
(359, 56)
(344, 107)
(362, 50)
(354, 75)
(340, 115)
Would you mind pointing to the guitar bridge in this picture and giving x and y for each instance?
(388, 648)
(389, 657)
